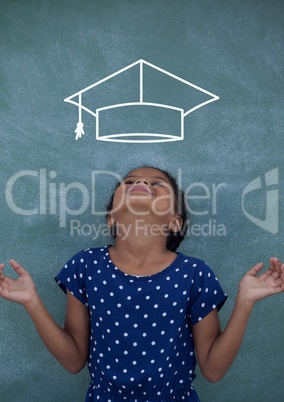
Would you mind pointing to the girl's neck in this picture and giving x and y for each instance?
(141, 254)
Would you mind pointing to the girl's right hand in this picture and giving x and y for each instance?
(21, 290)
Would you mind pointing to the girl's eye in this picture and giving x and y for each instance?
(158, 184)
(128, 181)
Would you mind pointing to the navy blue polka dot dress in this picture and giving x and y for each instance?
(141, 346)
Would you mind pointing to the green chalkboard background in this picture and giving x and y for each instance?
(231, 158)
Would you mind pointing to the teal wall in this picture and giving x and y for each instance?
(53, 49)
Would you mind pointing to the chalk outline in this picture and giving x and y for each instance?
(166, 137)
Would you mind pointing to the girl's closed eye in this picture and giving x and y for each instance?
(158, 184)
(128, 181)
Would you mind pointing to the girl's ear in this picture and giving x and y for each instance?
(175, 224)
(110, 221)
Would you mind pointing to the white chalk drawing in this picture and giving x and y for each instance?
(135, 117)
(270, 223)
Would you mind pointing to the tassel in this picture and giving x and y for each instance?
(79, 130)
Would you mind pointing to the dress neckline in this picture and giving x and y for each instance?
(148, 278)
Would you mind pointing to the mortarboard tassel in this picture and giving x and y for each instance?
(80, 126)
(79, 130)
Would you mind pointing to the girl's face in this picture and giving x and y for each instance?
(145, 191)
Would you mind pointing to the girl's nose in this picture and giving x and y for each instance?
(143, 181)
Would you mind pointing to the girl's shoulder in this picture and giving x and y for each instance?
(198, 267)
(90, 253)
(193, 262)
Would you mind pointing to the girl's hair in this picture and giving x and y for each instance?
(174, 238)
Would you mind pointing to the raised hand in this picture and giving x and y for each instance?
(254, 287)
(20, 290)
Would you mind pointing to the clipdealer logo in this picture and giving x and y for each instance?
(271, 221)
(45, 195)
(202, 201)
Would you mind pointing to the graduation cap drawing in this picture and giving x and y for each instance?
(140, 103)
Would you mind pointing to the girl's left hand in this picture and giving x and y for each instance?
(253, 288)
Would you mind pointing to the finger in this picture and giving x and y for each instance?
(17, 267)
(255, 270)
(275, 265)
(1, 269)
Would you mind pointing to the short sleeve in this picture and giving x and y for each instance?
(73, 277)
(206, 295)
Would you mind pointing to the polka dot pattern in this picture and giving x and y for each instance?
(141, 345)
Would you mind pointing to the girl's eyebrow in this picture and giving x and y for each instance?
(150, 177)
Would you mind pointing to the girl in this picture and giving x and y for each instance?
(137, 311)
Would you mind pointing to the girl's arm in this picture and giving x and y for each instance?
(69, 345)
(216, 350)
